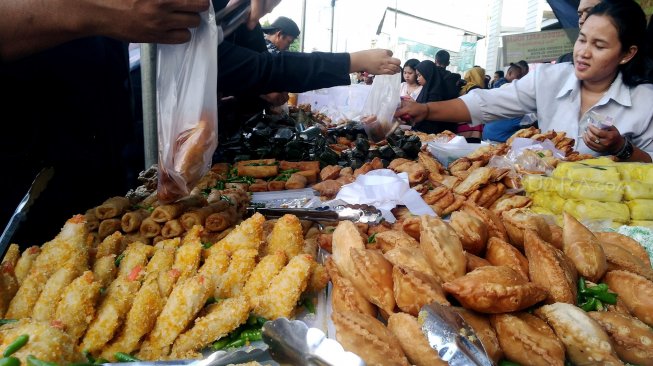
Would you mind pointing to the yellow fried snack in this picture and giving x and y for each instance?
(637, 190)
(346, 237)
(112, 244)
(265, 270)
(595, 210)
(46, 342)
(373, 277)
(247, 235)
(580, 172)
(287, 235)
(583, 249)
(442, 248)
(636, 171)
(8, 282)
(189, 254)
(286, 287)
(641, 209)
(105, 270)
(632, 339)
(221, 319)
(471, 231)
(216, 265)
(22, 304)
(500, 253)
(46, 305)
(136, 255)
(185, 301)
(69, 243)
(409, 257)
(344, 296)
(407, 331)
(232, 282)
(584, 339)
(76, 309)
(25, 262)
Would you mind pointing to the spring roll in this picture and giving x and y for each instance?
(131, 221)
(281, 296)
(150, 228)
(157, 239)
(113, 207)
(135, 237)
(25, 262)
(108, 227)
(112, 244)
(92, 221)
(234, 197)
(172, 229)
(296, 181)
(276, 185)
(265, 270)
(258, 171)
(221, 220)
(189, 254)
(46, 305)
(105, 270)
(171, 211)
(301, 165)
(232, 282)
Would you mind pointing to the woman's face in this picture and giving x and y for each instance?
(420, 79)
(409, 75)
(597, 51)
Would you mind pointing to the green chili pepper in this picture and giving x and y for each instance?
(235, 343)
(590, 305)
(581, 284)
(119, 259)
(207, 245)
(17, 344)
(124, 357)
(251, 335)
(100, 361)
(607, 297)
(371, 239)
(33, 361)
(9, 361)
(260, 320)
(89, 357)
(508, 363)
(7, 321)
(308, 304)
(220, 343)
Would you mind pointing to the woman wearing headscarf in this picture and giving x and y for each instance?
(474, 79)
(430, 77)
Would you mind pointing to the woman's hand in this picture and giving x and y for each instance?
(417, 111)
(375, 61)
(608, 141)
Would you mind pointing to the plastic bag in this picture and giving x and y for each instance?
(187, 109)
(379, 109)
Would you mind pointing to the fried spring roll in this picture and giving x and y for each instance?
(301, 165)
(171, 211)
(76, 308)
(150, 228)
(189, 254)
(25, 262)
(172, 229)
(263, 273)
(105, 270)
(198, 216)
(232, 282)
(131, 221)
(22, 304)
(113, 207)
(92, 221)
(112, 244)
(286, 287)
(258, 171)
(184, 302)
(296, 181)
(221, 319)
(135, 237)
(135, 256)
(287, 235)
(108, 227)
(46, 305)
(219, 221)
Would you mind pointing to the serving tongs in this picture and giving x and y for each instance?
(450, 336)
(358, 213)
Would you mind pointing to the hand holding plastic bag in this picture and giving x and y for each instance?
(380, 106)
(187, 109)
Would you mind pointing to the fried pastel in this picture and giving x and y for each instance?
(632, 339)
(411, 226)
(392, 239)
(409, 257)
(585, 340)
(495, 289)
(500, 253)
(442, 248)
(518, 220)
(474, 262)
(528, 340)
(287, 235)
(551, 269)
(373, 278)
(509, 202)
(413, 289)
(631, 245)
(495, 228)
(556, 236)
(471, 231)
(477, 178)
(344, 296)
(367, 337)
(412, 340)
(635, 291)
(583, 249)
(345, 238)
(620, 258)
(483, 329)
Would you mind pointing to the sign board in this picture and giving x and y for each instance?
(534, 47)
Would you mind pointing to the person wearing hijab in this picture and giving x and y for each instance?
(474, 79)
(430, 77)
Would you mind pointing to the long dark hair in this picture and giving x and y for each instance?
(412, 63)
(630, 21)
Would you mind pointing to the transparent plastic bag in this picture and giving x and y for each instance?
(380, 106)
(187, 109)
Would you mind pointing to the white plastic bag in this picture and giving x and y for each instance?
(380, 106)
(187, 109)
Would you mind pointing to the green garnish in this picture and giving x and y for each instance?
(371, 239)
(119, 259)
(593, 298)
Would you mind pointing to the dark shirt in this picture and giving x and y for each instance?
(498, 83)
(272, 48)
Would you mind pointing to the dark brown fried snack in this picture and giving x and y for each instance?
(413, 289)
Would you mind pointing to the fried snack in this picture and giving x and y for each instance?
(135, 256)
(416, 172)
(631, 245)
(221, 319)
(319, 278)
(413, 289)
(113, 207)
(368, 338)
(556, 236)
(150, 228)
(620, 258)
(551, 269)
(108, 227)
(231, 283)
(262, 274)
(500, 253)
(257, 171)
(411, 226)
(493, 289)
(528, 340)
(518, 220)
(330, 172)
(495, 228)
(185, 301)
(247, 235)
(189, 254)
(409, 334)
(46, 342)
(631, 338)
(344, 296)
(345, 238)
(219, 221)
(276, 185)
(474, 181)
(112, 244)
(442, 248)
(474, 262)
(484, 331)
(373, 277)
(635, 291)
(76, 309)
(434, 168)
(172, 229)
(509, 202)
(286, 287)
(8, 283)
(46, 305)
(583, 249)
(92, 221)
(131, 221)
(197, 216)
(287, 236)
(137, 237)
(490, 193)
(584, 339)
(25, 262)
(409, 257)
(28, 293)
(328, 188)
(171, 211)
(296, 181)
(471, 231)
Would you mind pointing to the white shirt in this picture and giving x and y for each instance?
(553, 93)
(403, 91)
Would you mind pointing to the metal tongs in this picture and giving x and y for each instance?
(358, 213)
(453, 339)
(232, 16)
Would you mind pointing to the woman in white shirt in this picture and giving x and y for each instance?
(609, 77)
(410, 88)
